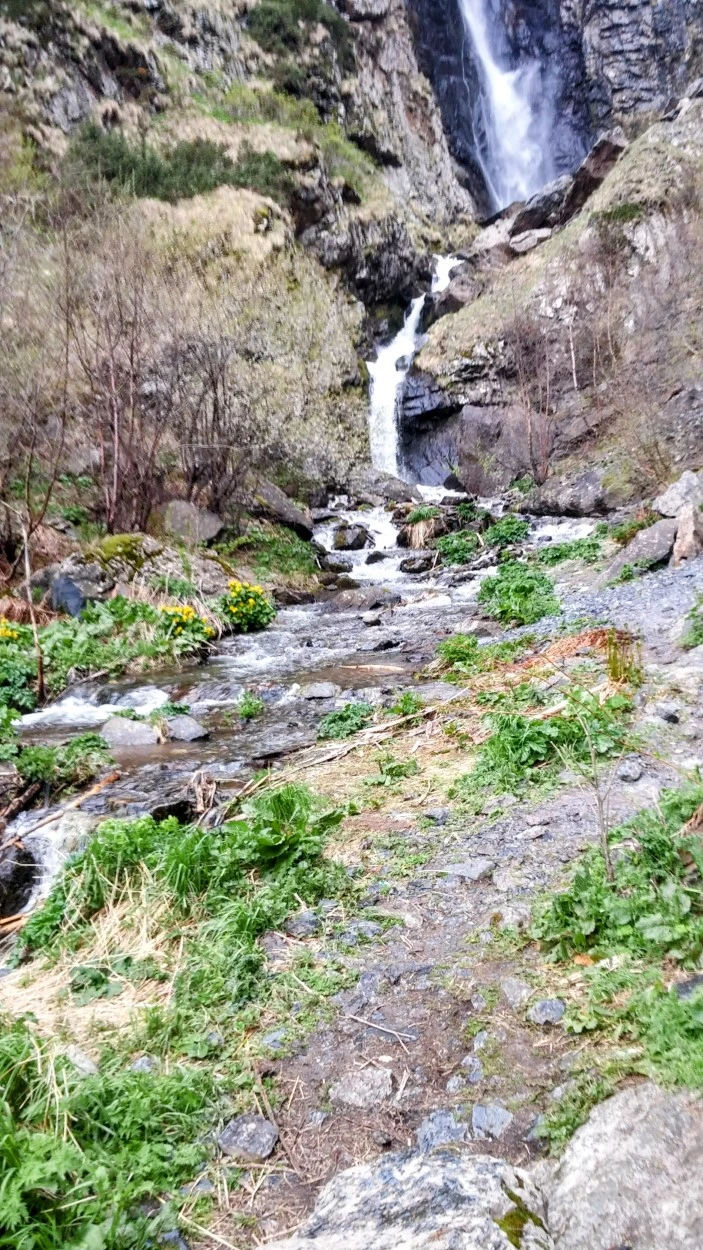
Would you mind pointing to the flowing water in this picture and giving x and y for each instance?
(512, 116)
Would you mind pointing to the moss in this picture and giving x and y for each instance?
(127, 548)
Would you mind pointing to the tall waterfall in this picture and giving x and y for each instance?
(512, 118)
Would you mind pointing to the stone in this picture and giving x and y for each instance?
(250, 1137)
(547, 1011)
(447, 1200)
(371, 619)
(334, 563)
(630, 1176)
(186, 729)
(182, 519)
(687, 490)
(593, 170)
(516, 992)
(689, 535)
(629, 770)
(382, 485)
(118, 731)
(668, 711)
(582, 494)
(84, 1065)
(648, 548)
(455, 1084)
(489, 1120)
(375, 557)
(544, 208)
(275, 1040)
(266, 499)
(419, 563)
(320, 690)
(145, 1063)
(437, 815)
(472, 869)
(527, 242)
(302, 924)
(440, 1128)
(67, 596)
(351, 538)
(363, 1088)
(473, 1069)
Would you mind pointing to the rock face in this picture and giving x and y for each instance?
(631, 1176)
(434, 1202)
(688, 490)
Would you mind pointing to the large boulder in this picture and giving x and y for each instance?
(582, 494)
(375, 486)
(351, 538)
(592, 171)
(184, 520)
(268, 500)
(688, 489)
(544, 209)
(439, 1201)
(689, 535)
(647, 549)
(76, 581)
(631, 1176)
(119, 731)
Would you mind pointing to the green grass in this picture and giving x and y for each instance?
(424, 512)
(518, 595)
(87, 1160)
(189, 168)
(250, 705)
(282, 26)
(272, 550)
(694, 634)
(347, 721)
(463, 655)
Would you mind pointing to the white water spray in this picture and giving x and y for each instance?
(388, 371)
(512, 120)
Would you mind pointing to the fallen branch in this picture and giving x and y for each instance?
(77, 802)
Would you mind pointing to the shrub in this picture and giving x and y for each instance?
(273, 549)
(457, 548)
(347, 721)
(518, 595)
(59, 767)
(424, 512)
(509, 529)
(246, 608)
(274, 24)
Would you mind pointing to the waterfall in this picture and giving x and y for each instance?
(512, 119)
(388, 371)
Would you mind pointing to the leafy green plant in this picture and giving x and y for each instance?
(423, 512)
(184, 628)
(345, 722)
(458, 548)
(272, 550)
(586, 549)
(407, 704)
(694, 634)
(518, 595)
(246, 608)
(509, 529)
(463, 654)
(625, 531)
(392, 770)
(250, 705)
(74, 764)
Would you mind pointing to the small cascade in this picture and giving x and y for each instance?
(512, 117)
(388, 371)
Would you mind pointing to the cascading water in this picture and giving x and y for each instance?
(512, 117)
(388, 371)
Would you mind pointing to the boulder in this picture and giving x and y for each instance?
(422, 562)
(185, 521)
(437, 1201)
(334, 563)
(422, 533)
(250, 1137)
(649, 547)
(465, 286)
(527, 242)
(374, 484)
(688, 489)
(592, 171)
(544, 208)
(351, 538)
(631, 1175)
(266, 499)
(77, 581)
(689, 535)
(186, 729)
(121, 732)
(579, 495)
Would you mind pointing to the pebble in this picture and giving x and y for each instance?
(249, 1137)
(455, 1084)
(317, 1118)
(516, 992)
(145, 1063)
(275, 1040)
(440, 1128)
(629, 770)
(473, 1068)
(547, 1011)
(478, 1002)
(363, 1089)
(83, 1063)
(302, 924)
(438, 815)
(381, 1138)
(489, 1120)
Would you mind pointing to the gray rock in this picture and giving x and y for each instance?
(688, 489)
(631, 1177)
(376, 557)
(120, 732)
(371, 619)
(475, 869)
(689, 535)
(381, 485)
(482, 1039)
(438, 815)
(413, 1201)
(186, 729)
(473, 1069)
(489, 1120)
(303, 924)
(275, 1040)
(363, 1088)
(668, 711)
(629, 770)
(527, 242)
(334, 563)
(186, 521)
(516, 992)
(266, 499)
(320, 690)
(547, 1011)
(440, 1128)
(455, 1084)
(649, 547)
(84, 1065)
(419, 563)
(249, 1136)
(351, 538)
(145, 1063)
(544, 209)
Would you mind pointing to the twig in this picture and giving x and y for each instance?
(100, 785)
(383, 1028)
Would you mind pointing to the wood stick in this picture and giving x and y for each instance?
(100, 785)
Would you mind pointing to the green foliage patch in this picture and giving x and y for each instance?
(458, 548)
(462, 655)
(587, 549)
(694, 634)
(345, 722)
(509, 529)
(276, 26)
(424, 512)
(272, 550)
(518, 595)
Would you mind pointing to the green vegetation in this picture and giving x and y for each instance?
(623, 533)
(518, 595)
(468, 512)
(347, 721)
(391, 770)
(629, 572)
(250, 705)
(586, 549)
(694, 634)
(407, 704)
(523, 749)
(276, 26)
(463, 655)
(85, 1158)
(458, 548)
(583, 1092)
(509, 529)
(424, 512)
(192, 167)
(246, 608)
(272, 550)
